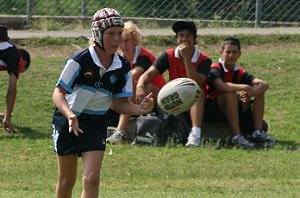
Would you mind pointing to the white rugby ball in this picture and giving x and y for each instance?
(178, 95)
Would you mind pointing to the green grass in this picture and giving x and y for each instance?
(28, 164)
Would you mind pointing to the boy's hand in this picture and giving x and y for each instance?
(139, 94)
(7, 125)
(74, 125)
(248, 90)
(243, 96)
(186, 51)
(147, 104)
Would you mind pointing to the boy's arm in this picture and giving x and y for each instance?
(232, 87)
(61, 103)
(259, 86)
(136, 73)
(10, 102)
(124, 106)
(144, 79)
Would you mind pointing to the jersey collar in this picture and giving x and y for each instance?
(236, 67)
(195, 57)
(116, 63)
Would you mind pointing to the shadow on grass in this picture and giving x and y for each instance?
(224, 143)
(289, 144)
(25, 132)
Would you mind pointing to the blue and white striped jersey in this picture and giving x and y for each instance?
(90, 87)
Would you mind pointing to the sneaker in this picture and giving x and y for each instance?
(241, 142)
(193, 141)
(264, 139)
(117, 136)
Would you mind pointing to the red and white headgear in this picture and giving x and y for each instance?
(102, 20)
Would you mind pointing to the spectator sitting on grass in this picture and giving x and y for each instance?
(182, 61)
(225, 81)
(140, 59)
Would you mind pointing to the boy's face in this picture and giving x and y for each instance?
(127, 46)
(112, 39)
(186, 36)
(231, 54)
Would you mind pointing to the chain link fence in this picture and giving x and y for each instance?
(281, 12)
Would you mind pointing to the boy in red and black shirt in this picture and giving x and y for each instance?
(183, 61)
(226, 79)
(14, 61)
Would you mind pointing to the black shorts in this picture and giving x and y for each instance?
(93, 138)
(212, 112)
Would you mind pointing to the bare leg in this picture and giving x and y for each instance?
(67, 168)
(228, 103)
(258, 111)
(196, 112)
(196, 115)
(123, 122)
(92, 162)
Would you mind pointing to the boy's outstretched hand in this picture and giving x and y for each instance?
(147, 104)
(7, 125)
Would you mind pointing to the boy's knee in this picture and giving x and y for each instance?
(67, 183)
(231, 96)
(93, 179)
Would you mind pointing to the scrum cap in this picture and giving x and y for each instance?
(102, 20)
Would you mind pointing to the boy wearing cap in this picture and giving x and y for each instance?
(183, 61)
(14, 61)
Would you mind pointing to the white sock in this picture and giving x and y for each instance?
(196, 131)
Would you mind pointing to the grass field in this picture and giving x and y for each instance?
(28, 164)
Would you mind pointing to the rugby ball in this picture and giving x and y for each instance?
(178, 95)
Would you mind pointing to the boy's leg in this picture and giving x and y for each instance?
(197, 112)
(92, 162)
(228, 104)
(196, 115)
(123, 122)
(258, 111)
(259, 136)
(67, 168)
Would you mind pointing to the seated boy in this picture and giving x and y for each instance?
(230, 86)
